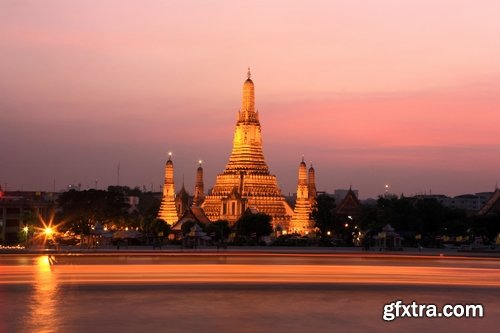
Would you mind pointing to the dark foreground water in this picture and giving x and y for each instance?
(70, 296)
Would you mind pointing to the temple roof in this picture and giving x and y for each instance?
(195, 214)
(182, 192)
(492, 205)
(350, 205)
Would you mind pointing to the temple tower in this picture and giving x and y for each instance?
(302, 222)
(311, 185)
(182, 201)
(168, 211)
(246, 181)
(199, 191)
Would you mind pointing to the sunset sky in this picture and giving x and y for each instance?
(405, 93)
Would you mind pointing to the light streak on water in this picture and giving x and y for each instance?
(212, 292)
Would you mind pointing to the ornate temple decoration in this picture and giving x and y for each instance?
(246, 181)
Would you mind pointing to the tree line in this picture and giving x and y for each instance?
(419, 221)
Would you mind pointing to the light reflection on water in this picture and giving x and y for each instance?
(100, 296)
(42, 313)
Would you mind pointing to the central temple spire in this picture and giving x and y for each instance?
(247, 111)
(247, 152)
(246, 181)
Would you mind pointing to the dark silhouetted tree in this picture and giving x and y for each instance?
(323, 214)
(250, 224)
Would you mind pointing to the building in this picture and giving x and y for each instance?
(246, 181)
(302, 222)
(168, 209)
(492, 206)
(199, 188)
(175, 205)
(471, 203)
(20, 208)
(349, 208)
(340, 194)
(182, 199)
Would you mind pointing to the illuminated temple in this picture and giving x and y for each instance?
(302, 222)
(246, 181)
(168, 211)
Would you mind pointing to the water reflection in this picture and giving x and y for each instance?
(88, 293)
(42, 315)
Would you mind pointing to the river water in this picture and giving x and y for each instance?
(241, 293)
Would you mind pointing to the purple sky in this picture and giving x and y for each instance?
(405, 93)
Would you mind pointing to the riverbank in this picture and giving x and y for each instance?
(148, 250)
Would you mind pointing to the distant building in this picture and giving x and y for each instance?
(492, 206)
(340, 194)
(133, 202)
(350, 207)
(182, 201)
(16, 206)
(469, 202)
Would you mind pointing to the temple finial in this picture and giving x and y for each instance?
(303, 158)
(169, 155)
(249, 75)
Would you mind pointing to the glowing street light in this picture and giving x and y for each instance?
(328, 233)
(48, 231)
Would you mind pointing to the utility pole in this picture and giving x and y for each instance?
(118, 175)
